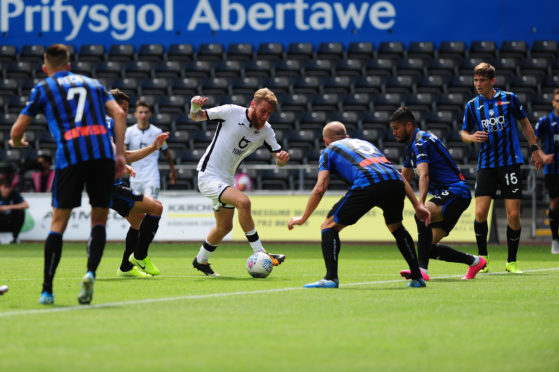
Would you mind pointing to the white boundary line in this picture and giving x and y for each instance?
(213, 295)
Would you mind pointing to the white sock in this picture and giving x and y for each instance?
(203, 255)
(476, 261)
(254, 241)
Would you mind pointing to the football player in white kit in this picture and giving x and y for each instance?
(240, 132)
(139, 136)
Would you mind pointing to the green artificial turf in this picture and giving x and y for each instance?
(185, 321)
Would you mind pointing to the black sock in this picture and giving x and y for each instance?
(406, 247)
(513, 238)
(53, 251)
(424, 242)
(481, 230)
(330, 252)
(148, 228)
(445, 253)
(95, 247)
(208, 247)
(554, 223)
(129, 248)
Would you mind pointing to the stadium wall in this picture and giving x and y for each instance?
(188, 216)
(232, 21)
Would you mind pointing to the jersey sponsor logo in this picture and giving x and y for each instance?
(243, 143)
(500, 103)
(374, 160)
(90, 130)
(493, 124)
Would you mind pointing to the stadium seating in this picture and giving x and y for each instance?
(358, 83)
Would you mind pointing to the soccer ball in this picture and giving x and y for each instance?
(259, 265)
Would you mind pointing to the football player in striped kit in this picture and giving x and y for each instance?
(547, 131)
(439, 176)
(75, 107)
(373, 182)
(490, 119)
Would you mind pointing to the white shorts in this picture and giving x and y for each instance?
(147, 188)
(212, 187)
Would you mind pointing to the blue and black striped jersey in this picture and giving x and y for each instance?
(497, 117)
(74, 106)
(358, 163)
(547, 130)
(444, 174)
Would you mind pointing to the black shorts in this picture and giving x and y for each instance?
(124, 198)
(96, 175)
(505, 178)
(453, 207)
(388, 196)
(552, 185)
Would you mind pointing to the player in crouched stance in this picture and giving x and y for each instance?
(374, 182)
(240, 132)
(438, 175)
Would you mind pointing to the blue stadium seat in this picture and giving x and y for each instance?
(332, 51)
(289, 68)
(270, 51)
(121, 52)
(452, 49)
(92, 53)
(210, 52)
(228, 69)
(168, 69)
(361, 50)
(259, 68)
(240, 52)
(516, 49)
(157, 86)
(187, 86)
(151, 52)
(338, 84)
(350, 67)
(369, 84)
(180, 52)
(32, 53)
(302, 51)
(421, 49)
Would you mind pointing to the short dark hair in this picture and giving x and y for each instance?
(485, 69)
(57, 55)
(6, 181)
(47, 157)
(119, 96)
(556, 91)
(403, 115)
(143, 103)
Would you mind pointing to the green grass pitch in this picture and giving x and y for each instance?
(183, 321)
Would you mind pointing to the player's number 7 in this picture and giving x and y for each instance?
(82, 93)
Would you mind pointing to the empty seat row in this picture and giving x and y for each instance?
(517, 49)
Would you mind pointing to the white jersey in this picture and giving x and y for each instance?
(147, 169)
(234, 140)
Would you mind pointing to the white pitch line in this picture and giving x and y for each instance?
(213, 295)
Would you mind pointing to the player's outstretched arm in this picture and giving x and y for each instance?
(132, 156)
(16, 133)
(196, 112)
(314, 200)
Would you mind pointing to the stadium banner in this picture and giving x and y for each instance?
(252, 21)
(188, 216)
(271, 214)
